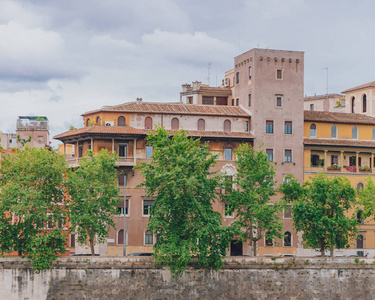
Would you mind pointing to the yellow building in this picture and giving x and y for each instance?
(342, 144)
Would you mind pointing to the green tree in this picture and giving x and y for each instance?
(180, 180)
(367, 199)
(32, 207)
(94, 197)
(250, 199)
(321, 210)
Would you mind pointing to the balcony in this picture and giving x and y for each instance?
(121, 162)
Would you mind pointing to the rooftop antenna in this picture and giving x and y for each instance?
(208, 73)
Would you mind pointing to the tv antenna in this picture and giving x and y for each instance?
(208, 73)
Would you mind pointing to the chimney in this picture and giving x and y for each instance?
(139, 100)
(185, 87)
(196, 85)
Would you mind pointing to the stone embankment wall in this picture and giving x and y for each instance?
(240, 278)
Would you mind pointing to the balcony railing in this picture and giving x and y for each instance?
(122, 161)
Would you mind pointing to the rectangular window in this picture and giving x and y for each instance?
(207, 100)
(269, 126)
(237, 77)
(237, 101)
(149, 238)
(246, 126)
(288, 155)
(334, 160)
(312, 107)
(279, 74)
(190, 100)
(122, 150)
(250, 71)
(288, 127)
(221, 100)
(121, 209)
(279, 101)
(147, 207)
(232, 102)
(249, 99)
(149, 151)
(228, 213)
(287, 213)
(228, 153)
(269, 153)
(121, 179)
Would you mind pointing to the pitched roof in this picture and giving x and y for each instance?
(337, 142)
(337, 117)
(174, 108)
(363, 86)
(127, 130)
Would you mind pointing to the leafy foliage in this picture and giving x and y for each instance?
(367, 199)
(320, 209)
(93, 190)
(32, 206)
(250, 199)
(184, 188)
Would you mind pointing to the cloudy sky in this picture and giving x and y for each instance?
(62, 58)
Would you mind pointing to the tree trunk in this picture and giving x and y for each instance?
(331, 251)
(322, 252)
(91, 241)
(255, 247)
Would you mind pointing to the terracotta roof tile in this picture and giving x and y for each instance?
(337, 142)
(114, 130)
(174, 108)
(363, 86)
(337, 117)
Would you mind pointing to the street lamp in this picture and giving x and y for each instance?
(124, 240)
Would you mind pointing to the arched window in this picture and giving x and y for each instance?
(227, 126)
(148, 123)
(88, 122)
(364, 103)
(359, 187)
(353, 104)
(312, 130)
(360, 241)
(354, 133)
(121, 121)
(98, 121)
(120, 237)
(175, 124)
(334, 131)
(287, 239)
(201, 125)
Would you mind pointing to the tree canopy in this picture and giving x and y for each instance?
(94, 197)
(33, 210)
(321, 210)
(250, 199)
(180, 180)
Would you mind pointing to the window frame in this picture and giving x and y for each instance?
(271, 152)
(147, 121)
(237, 77)
(336, 133)
(291, 239)
(174, 120)
(126, 209)
(249, 100)
(126, 237)
(250, 72)
(315, 130)
(269, 127)
(277, 97)
(355, 130)
(288, 128)
(148, 208)
(148, 233)
(126, 145)
(285, 156)
(148, 151)
(279, 71)
(225, 153)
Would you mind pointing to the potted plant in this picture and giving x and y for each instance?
(334, 168)
(365, 169)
